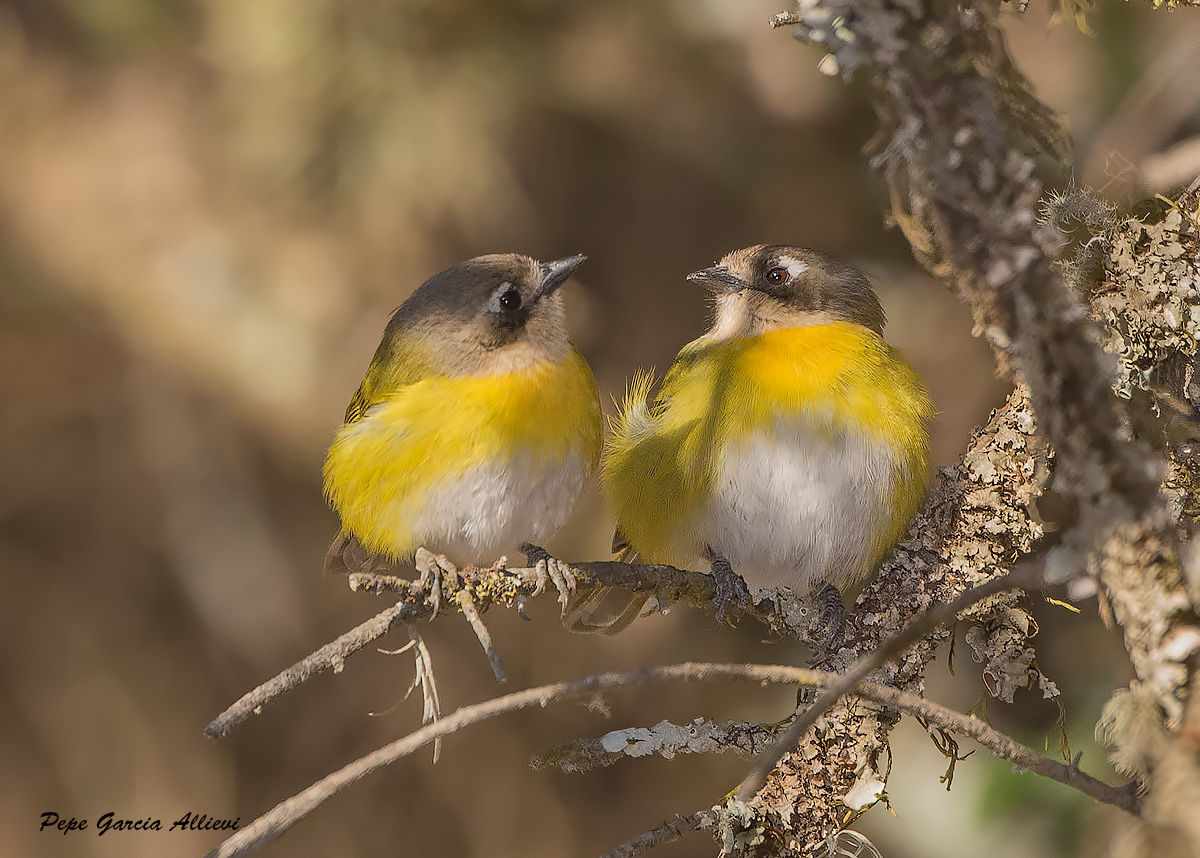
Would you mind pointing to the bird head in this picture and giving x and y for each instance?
(489, 314)
(772, 286)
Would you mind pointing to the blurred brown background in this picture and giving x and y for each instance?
(207, 210)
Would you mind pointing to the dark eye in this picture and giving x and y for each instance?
(510, 299)
(777, 276)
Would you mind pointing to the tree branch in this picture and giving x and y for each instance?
(484, 588)
(332, 656)
(467, 605)
(666, 832)
(287, 813)
(699, 736)
(1022, 577)
(960, 144)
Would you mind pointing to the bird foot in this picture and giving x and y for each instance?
(550, 569)
(833, 616)
(729, 588)
(434, 568)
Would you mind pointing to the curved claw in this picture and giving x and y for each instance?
(537, 555)
(560, 574)
(729, 586)
(433, 567)
(564, 581)
(548, 568)
(833, 616)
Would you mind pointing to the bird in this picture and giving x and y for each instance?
(475, 428)
(788, 443)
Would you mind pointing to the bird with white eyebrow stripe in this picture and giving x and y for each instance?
(788, 443)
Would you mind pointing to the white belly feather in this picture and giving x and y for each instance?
(800, 507)
(495, 508)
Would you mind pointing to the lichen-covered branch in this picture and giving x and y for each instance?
(979, 518)
(1146, 294)
(961, 146)
(666, 832)
(289, 812)
(890, 650)
(500, 586)
(961, 141)
(699, 736)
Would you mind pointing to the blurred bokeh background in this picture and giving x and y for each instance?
(208, 209)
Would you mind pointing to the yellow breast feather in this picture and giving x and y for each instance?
(437, 428)
(662, 459)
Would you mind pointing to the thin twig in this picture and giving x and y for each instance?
(467, 605)
(784, 19)
(666, 832)
(401, 651)
(672, 583)
(431, 707)
(332, 656)
(699, 736)
(488, 587)
(287, 813)
(1002, 745)
(1022, 577)
(431, 704)
(412, 686)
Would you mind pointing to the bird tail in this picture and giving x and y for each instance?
(601, 609)
(635, 413)
(347, 555)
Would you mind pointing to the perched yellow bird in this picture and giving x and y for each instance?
(789, 441)
(476, 425)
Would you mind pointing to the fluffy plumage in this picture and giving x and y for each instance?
(790, 439)
(798, 455)
(476, 424)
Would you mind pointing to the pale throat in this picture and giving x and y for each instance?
(519, 356)
(542, 343)
(750, 314)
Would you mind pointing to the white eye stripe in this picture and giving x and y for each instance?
(504, 298)
(794, 266)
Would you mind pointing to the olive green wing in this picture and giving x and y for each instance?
(680, 372)
(396, 364)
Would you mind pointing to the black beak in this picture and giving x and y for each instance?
(719, 277)
(555, 273)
